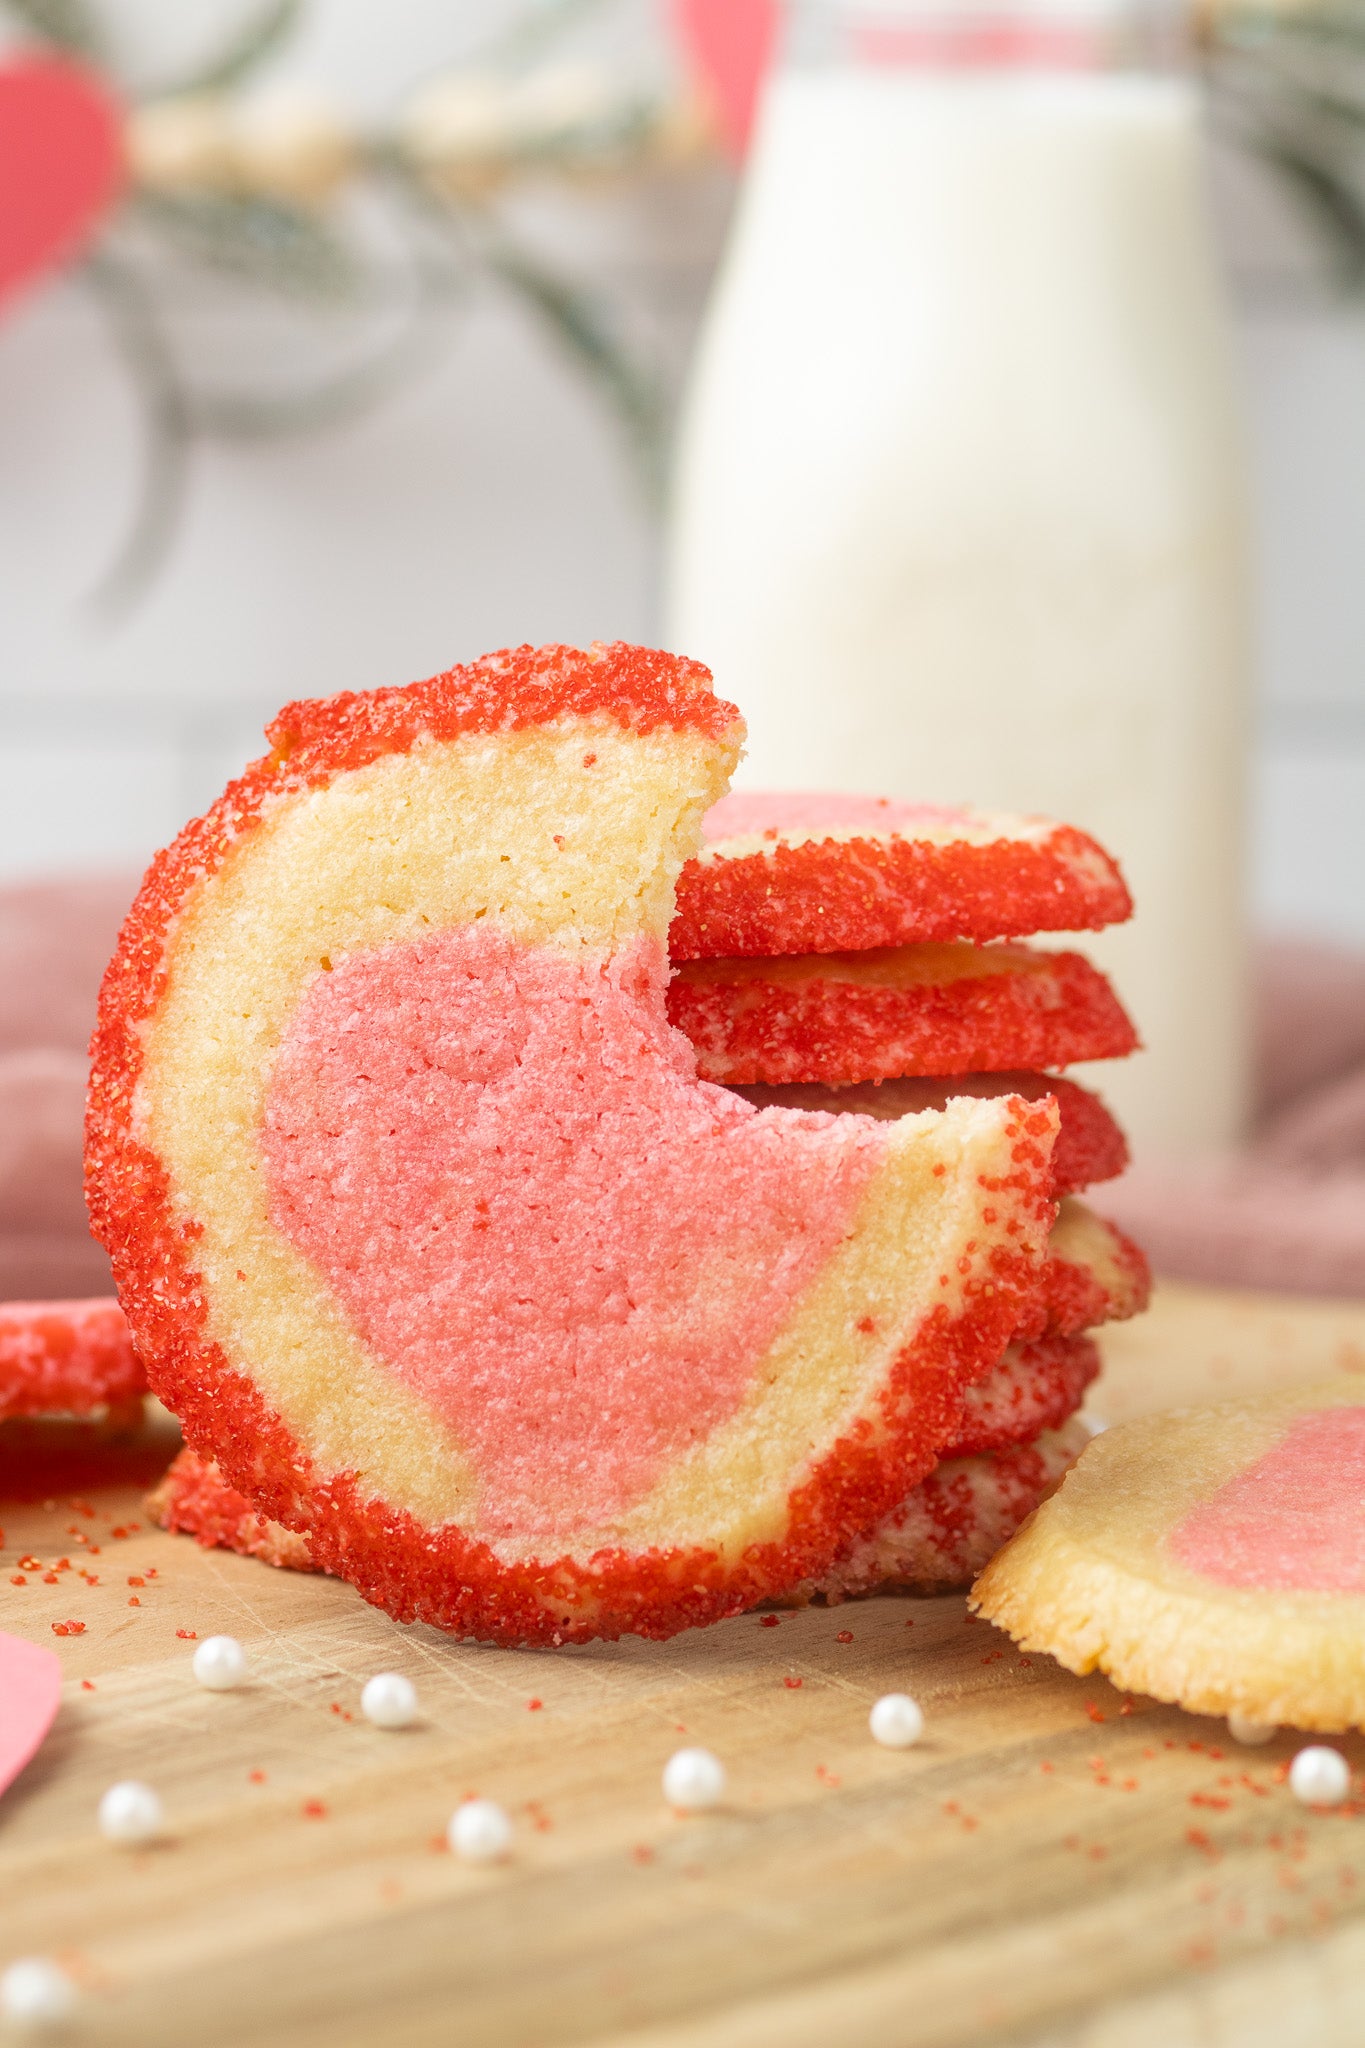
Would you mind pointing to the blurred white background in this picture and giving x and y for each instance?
(490, 501)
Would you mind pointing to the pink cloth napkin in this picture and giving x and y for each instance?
(1288, 1215)
(55, 937)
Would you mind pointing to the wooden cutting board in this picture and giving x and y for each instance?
(1053, 1864)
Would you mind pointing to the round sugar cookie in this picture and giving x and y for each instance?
(66, 1358)
(812, 873)
(195, 1500)
(1090, 1146)
(947, 1527)
(880, 1014)
(424, 1224)
(1214, 1557)
(1037, 1385)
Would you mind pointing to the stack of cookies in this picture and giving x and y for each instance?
(465, 1278)
(856, 956)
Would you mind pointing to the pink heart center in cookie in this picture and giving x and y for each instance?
(1294, 1522)
(502, 1163)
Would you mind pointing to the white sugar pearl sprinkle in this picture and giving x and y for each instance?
(220, 1663)
(389, 1700)
(479, 1831)
(131, 1814)
(1250, 1733)
(36, 1997)
(896, 1721)
(693, 1780)
(1320, 1776)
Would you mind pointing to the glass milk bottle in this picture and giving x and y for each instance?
(960, 500)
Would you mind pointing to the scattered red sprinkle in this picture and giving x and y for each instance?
(590, 760)
(50, 1578)
(1046, 1765)
(255, 1777)
(1197, 1839)
(87, 1685)
(18, 1579)
(642, 1853)
(1097, 1852)
(68, 1628)
(845, 1635)
(133, 1600)
(438, 1845)
(827, 1777)
(534, 1706)
(135, 1580)
(314, 1809)
(770, 1621)
(866, 1325)
(793, 1684)
(188, 1635)
(1093, 1711)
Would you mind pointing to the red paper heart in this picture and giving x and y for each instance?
(61, 165)
(30, 1693)
(730, 43)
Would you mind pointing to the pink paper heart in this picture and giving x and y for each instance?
(61, 165)
(730, 42)
(30, 1693)
(1294, 1522)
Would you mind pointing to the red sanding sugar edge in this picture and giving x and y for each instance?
(843, 895)
(66, 1358)
(194, 1499)
(841, 1032)
(442, 1576)
(1076, 1298)
(1036, 1386)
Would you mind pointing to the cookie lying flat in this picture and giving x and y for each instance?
(950, 1525)
(66, 1358)
(426, 1228)
(793, 873)
(195, 1500)
(1090, 1146)
(1036, 1386)
(934, 1009)
(1210, 1556)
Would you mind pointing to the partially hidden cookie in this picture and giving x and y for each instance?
(1214, 1557)
(1090, 1146)
(66, 1358)
(1094, 1274)
(824, 873)
(195, 1500)
(427, 1230)
(1037, 1385)
(932, 1009)
(954, 1521)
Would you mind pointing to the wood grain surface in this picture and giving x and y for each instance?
(1052, 1865)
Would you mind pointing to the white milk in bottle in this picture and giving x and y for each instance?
(960, 501)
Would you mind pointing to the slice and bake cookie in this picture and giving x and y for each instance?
(1212, 1556)
(428, 1232)
(933, 1010)
(948, 1526)
(1090, 1146)
(66, 1358)
(823, 873)
(195, 1500)
(1038, 1384)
